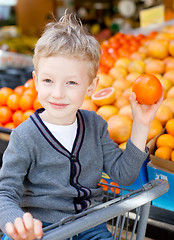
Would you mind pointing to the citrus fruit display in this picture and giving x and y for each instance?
(148, 89)
(16, 105)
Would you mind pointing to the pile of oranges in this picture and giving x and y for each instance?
(18, 104)
(121, 45)
(155, 56)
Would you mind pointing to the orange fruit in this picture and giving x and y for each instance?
(121, 84)
(30, 91)
(29, 83)
(155, 128)
(127, 93)
(26, 102)
(136, 66)
(89, 105)
(104, 97)
(167, 84)
(165, 140)
(172, 156)
(155, 66)
(121, 102)
(171, 47)
(170, 126)
(36, 104)
(169, 75)
(105, 188)
(170, 93)
(131, 77)
(118, 93)
(26, 114)
(5, 114)
(114, 189)
(5, 92)
(169, 63)
(137, 56)
(17, 117)
(105, 80)
(122, 62)
(118, 72)
(20, 89)
(107, 111)
(163, 152)
(126, 111)
(163, 114)
(13, 101)
(157, 48)
(169, 102)
(119, 127)
(148, 89)
(10, 125)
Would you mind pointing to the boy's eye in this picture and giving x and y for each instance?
(47, 80)
(72, 83)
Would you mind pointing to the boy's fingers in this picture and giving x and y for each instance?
(10, 229)
(20, 228)
(28, 222)
(38, 228)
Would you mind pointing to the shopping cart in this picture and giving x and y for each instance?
(126, 214)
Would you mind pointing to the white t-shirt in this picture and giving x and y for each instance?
(65, 134)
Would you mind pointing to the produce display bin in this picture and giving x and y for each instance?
(14, 77)
(156, 172)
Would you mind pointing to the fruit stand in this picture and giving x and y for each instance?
(124, 58)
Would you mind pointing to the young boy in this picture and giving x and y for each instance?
(54, 160)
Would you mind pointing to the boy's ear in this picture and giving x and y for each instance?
(35, 79)
(92, 87)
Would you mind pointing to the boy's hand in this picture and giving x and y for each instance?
(144, 114)
(142, 117)
(25, 228)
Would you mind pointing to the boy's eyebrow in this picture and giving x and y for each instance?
(46, 74)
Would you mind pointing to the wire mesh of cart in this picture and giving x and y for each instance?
(125, 213)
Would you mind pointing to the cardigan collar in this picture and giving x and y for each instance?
(53, 141)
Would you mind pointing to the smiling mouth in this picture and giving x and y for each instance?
(59, 105)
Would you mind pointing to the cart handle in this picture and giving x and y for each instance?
(106, 211)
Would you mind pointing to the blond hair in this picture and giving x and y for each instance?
(69, 38)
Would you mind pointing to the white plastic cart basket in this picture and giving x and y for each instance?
(116, 210)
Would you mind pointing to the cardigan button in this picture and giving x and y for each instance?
(74, 158)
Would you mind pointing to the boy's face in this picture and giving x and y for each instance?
(62, 83)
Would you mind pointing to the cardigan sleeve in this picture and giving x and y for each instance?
(122, 167)
(14, 168)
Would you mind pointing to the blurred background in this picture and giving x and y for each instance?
(22, 21)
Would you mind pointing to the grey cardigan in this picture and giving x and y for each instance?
(39, 175)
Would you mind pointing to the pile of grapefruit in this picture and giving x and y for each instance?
(155, 56)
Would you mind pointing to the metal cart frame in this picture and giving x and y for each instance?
(116, 209)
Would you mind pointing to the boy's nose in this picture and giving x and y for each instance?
(58, 92)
